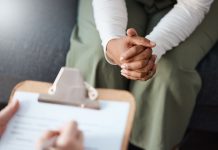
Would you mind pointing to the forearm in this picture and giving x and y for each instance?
(178, 24)
(110, 18)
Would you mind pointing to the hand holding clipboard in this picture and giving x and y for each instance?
(109, 97)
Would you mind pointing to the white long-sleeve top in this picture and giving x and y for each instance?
(111, 22)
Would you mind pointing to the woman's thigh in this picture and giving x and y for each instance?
(86, 52)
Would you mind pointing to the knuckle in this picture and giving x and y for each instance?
(151, 66)
(137, 48)
(140, 48)
(142, 40)
(150, 63)
(144, 78)
(147, 78)
(134, 49)
(141, 64)
(146, 62)
(146, 70)
(146, 55)
(141, 75)
(142, 70)
(149, 51)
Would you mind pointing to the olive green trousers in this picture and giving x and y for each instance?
(164, 103)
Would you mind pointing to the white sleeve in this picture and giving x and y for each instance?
(178, 24)
(110, 19)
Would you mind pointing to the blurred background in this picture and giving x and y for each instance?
(34, 40)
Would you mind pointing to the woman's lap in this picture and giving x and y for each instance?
(165, 102)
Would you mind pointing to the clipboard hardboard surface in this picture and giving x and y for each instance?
(106, 94)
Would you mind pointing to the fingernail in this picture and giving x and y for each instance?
(152, 43)
(124, 71)
(124, 66)
(123, 74)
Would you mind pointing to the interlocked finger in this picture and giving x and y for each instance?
(136, 65)
(134, 75)
(150, 74)
(144, 55)
(148, 67)
(137, 40)
(132, 52)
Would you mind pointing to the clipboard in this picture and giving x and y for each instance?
(106, 94)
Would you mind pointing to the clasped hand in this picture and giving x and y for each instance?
(134, 55)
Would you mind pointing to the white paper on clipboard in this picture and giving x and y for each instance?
(103, 129)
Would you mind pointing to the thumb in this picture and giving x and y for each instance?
(69, 132)
(131, 32)
(7, 113)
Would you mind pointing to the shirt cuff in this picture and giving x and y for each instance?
(157, 50)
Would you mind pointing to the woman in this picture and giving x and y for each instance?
(179, 40)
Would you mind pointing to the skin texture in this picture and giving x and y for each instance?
(6, 114)
(69, 137)
(134, 55)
